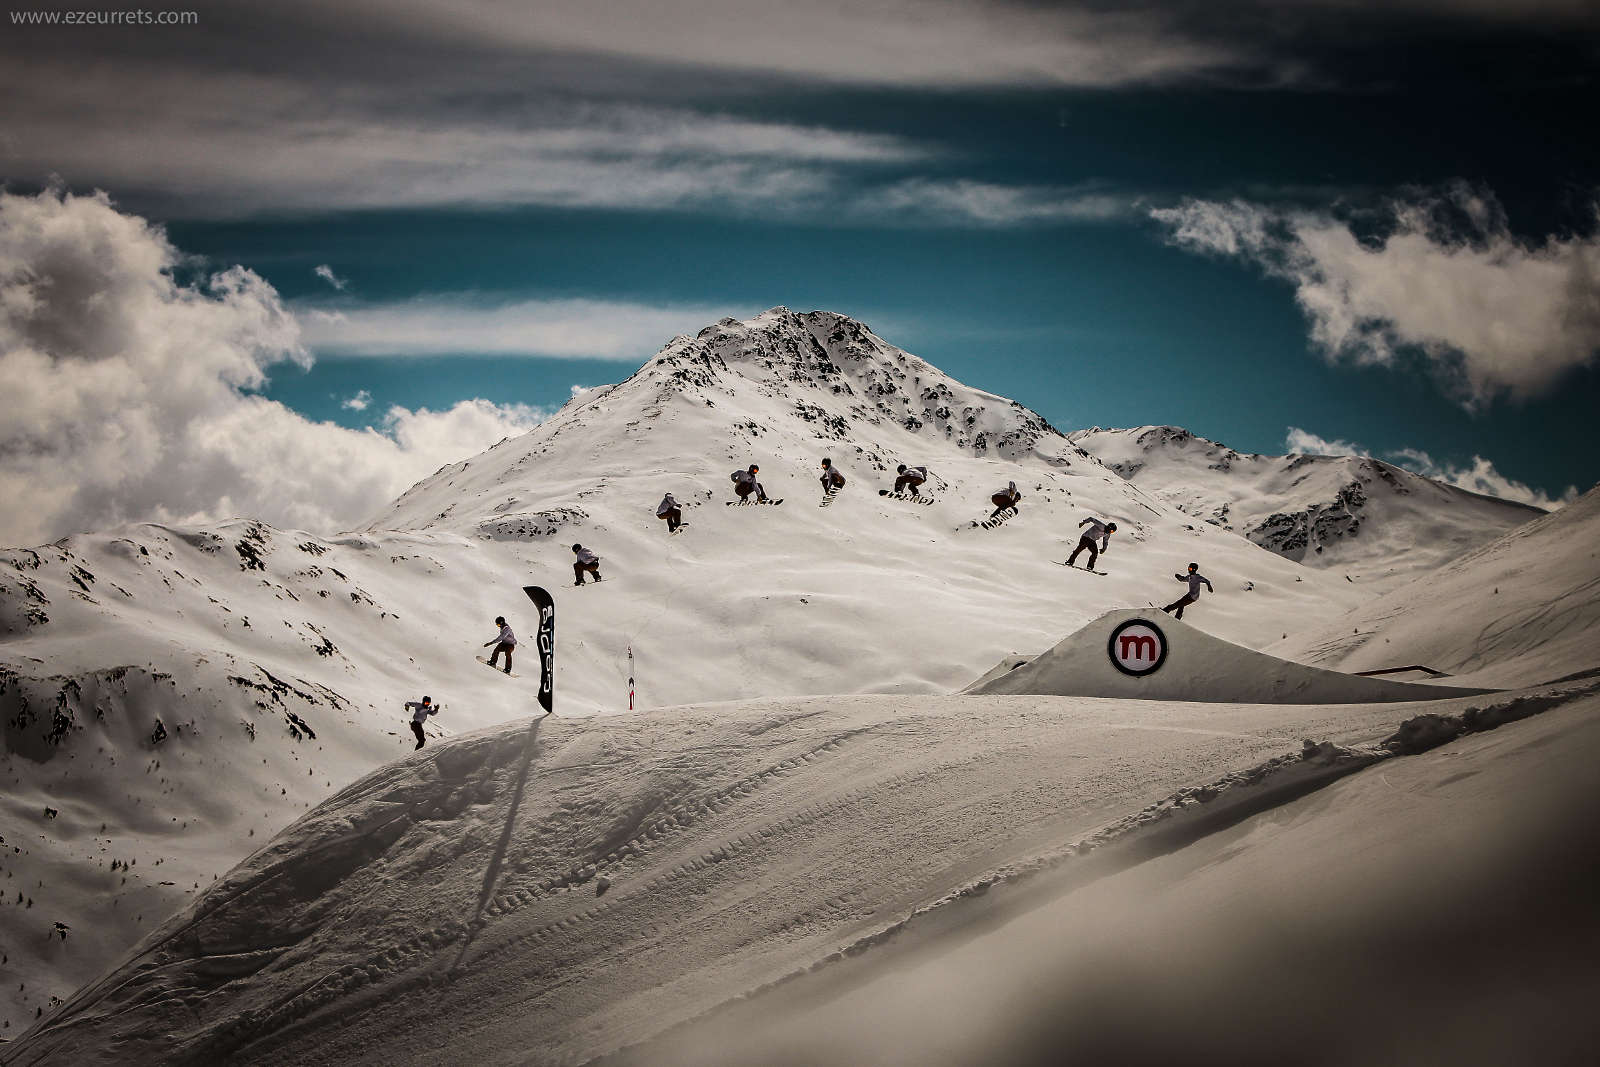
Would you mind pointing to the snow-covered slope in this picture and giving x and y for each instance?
(1522, 609)
(168, 693)
(549, 893)
(1361, 516)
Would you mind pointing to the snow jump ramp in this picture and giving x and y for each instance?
(1144, 654)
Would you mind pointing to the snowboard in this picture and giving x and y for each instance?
(679, 530)
(989, 524)
(492, 667)
(1071, 566)
(748, 503)
(920, 498)
(827, 497)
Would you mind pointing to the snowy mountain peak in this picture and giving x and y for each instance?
(781, 387)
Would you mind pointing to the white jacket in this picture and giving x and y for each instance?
(585, 557)
(421, 710)
(666, 505)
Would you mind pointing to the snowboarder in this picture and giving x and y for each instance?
(1195, 580)
(832, 480)
(672, 511)
(1005, 499)
(586, 561)
(505, 641)
(419, 715)
(1097, 528)
(910, 478)
(744, 483)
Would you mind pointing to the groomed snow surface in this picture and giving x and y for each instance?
(730, 871)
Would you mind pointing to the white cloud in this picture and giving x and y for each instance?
(1490, 314)
(1305, 443)
(325, 272)
(574, 329)
(128, 391)
(1480, 477)
(360, 402)
(990, 204)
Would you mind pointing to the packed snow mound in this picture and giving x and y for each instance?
(1521, 610)
(551, 891)
(1144, 654)
(1359, 515)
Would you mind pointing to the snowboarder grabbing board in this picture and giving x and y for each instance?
(585, 563)
(672, 511)
(745, 483)
(909, 479)
(1195, 580)
(507, 644)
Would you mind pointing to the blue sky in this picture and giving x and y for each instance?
(1373, 223)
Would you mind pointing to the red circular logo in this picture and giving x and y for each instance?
(1137, 647)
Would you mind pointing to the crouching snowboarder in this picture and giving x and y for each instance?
(419, 715)
(586, 563)
(910, 478)
(744, 483)
(1195, 580)
(1005, 499)
(672, 511)
(1097, 529)
(832, 480)
(505, 641)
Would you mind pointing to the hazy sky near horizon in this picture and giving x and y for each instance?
(1329, 224)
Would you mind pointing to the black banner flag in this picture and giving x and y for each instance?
(547, 645)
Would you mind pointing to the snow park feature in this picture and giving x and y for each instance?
(813, 794)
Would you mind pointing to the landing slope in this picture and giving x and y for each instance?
(1185, 663)
(549, 894)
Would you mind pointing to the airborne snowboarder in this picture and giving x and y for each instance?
(505, 641)
(1195, 580)
(419, 715)
(832, 480)
(586, 562)
(1005, 500)
(1097, 529)
(744, 483)
(910, 478)
(672, 511)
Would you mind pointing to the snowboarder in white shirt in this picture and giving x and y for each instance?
(505, 641)
(1097, 529)
(832, 480)
(672, 511)
(910, 478)
(744, 483)
(1005, 499)
(419, 715)
(586, 563)
(1195, 580)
